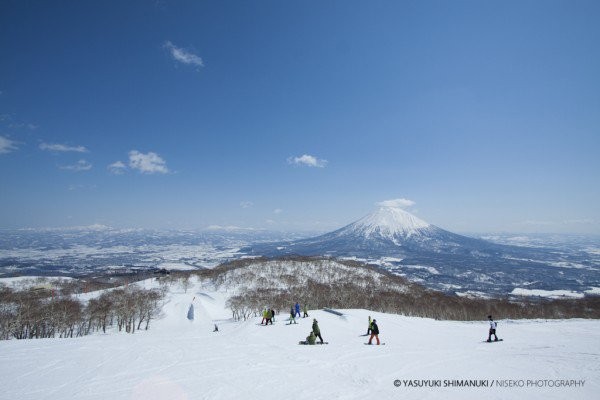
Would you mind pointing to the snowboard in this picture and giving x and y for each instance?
(492, 341)
(375, 344)
(306, 344)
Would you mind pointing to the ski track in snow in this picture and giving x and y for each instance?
(181, 359)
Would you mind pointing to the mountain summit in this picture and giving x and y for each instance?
(388, 222)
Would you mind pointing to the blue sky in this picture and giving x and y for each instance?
(300, 115)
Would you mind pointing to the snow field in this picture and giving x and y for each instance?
(179, 359)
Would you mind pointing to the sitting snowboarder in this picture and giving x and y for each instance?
(493, 326)
(311, 339)
(374, 332)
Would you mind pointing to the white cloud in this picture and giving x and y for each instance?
(6, 145)
(81, 165)
(396, 203)
(307, 161)
(117, 168)
(183, 56)
(277, 211)
(149, 163)
(62, 148)
(246, 204)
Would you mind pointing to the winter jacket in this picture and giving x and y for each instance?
(374, 329)
(493, 324)
(311, 339)
(297, 307)
(315, 328)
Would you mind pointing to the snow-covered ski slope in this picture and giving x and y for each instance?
(182, 359)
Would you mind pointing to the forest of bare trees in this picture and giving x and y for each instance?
(35, 312)
(343, 284)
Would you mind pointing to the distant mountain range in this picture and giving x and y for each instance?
(406, 245)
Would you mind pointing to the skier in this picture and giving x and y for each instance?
(316, 330)
(493, 326)
(297, 309)
(374, 332)
(305, 310)
(292, 315)
(264, 313)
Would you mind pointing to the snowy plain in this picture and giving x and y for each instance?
(182, 359)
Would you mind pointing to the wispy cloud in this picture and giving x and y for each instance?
(7, 145)
(277, 211)
(396, 203)
(62, 148)
(149, 163)
(117, 168)
(183, 56)
(246, 204)
(307, 161)
(81, 165)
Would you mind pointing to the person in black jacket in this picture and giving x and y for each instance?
(374, 332)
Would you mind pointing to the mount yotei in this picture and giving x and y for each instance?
(409, 246)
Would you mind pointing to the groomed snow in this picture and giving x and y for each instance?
(179, 359)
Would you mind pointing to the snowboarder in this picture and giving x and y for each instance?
(493, 326)
(316, 330)
(292, 315)
(374, 332)
(216, 328)
(305, 310)
(297, 309)
(310, 339)
(265, 314)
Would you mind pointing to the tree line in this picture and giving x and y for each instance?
(350, 284)
(32, 313)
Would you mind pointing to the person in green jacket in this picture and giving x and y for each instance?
(305, 310)
(311, 339)
(316, 330)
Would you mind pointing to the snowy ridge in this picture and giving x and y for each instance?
(388, 222)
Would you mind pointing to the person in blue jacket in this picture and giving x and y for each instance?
(298, 310)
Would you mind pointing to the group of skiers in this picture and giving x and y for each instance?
(372, 330)
(268, 316)
(295, 311)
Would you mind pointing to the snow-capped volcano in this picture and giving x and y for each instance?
(389, 222)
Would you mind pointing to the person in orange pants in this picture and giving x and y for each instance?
(374, 332)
